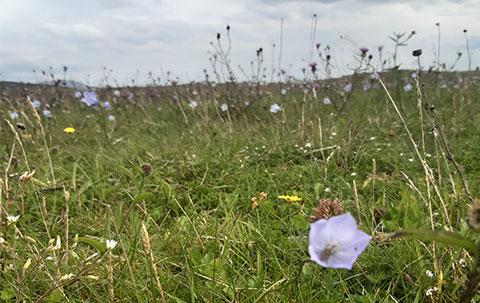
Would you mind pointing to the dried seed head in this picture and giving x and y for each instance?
(417, 53)
(147, 168)
(325, 209)
(474, 215)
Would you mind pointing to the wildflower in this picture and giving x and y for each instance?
(13, 115)
(429, 273)
(47, 113)
(89, 99)
(116, 93)
(327, 101)
(224, 107)
(13, 219)
(275, 108)
(283, 91)
(290, 199)
(348, 87)
(336, 242)
(77, 94)
(308, 145)
(407, 87)
(193, 104)
(36, 104)
(366, 87)
(327, 189)
(106, 105)
(363, 51)
(429, 292)
(110, 244)
(413, 75)
(69, 130)
(325, 209)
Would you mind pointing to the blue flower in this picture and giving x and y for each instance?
(107, 105)
(36, 104)
(407, 87)
(275, 108)
(47, 113)
(89, 98)
(193, 104)
(13, 115)
(336, 242)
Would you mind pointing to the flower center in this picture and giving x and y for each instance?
(328, 251)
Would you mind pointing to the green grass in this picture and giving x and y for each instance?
(208, 243)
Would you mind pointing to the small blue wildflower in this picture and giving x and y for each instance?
(36, 104)
(106, 105)
(336, 242)
(89, 98)
(13, 115)
(47, 113)
(275, 108)
(407, 87)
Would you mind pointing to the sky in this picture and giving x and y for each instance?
(124, 40)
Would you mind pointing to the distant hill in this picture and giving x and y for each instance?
(68, 84)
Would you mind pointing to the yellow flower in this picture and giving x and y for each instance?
(69, 130)
(290, 199)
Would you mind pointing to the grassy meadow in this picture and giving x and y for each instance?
(190, 194)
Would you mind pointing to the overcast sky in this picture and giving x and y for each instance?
(136, 37)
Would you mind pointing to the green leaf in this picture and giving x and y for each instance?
(93, 242)
(55, 296)
(7, 294)
(440, 236)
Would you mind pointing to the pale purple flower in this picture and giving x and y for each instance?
(336, 242)
(77, 94)
(89, 98)
(413, 75)
(348, 87)
(224, 107)
(106, 105)
(407, 87)
(193, 104)
(13, 115)
(36, 104)
(327, 101)
(275, 108)
(47, 113)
